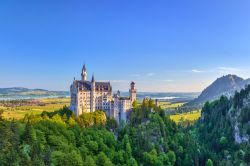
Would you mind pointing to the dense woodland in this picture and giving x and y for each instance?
(149, 138)
(221, 121)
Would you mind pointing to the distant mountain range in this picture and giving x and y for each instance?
(226, 85)
(25, 93)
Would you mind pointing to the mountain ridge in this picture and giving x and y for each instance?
(19, 89)
(226, 85)
(26, 93)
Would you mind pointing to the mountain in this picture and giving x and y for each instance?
(226, 85)
(25, 93)
(224, 129)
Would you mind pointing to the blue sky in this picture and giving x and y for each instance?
(167, 46)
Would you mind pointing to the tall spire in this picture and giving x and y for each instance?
(84, 73)
(84, 68)
(93, 78)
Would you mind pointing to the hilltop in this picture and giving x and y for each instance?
(226, 85)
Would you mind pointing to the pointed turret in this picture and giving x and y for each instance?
(118, 93)
(84, 67)
(84, 73)
(93, 78)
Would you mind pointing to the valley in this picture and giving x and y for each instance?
(125, 83)
(17, 109)
(190, 117)
(172, 131)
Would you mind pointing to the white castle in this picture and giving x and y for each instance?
(89, 96)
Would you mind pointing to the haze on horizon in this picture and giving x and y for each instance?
(164, 47)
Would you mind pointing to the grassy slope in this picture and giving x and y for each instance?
(190, 116)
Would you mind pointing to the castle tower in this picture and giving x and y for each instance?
(132, 92)
(118, 93)
(157, 103)
(84, 73)
(92, 97)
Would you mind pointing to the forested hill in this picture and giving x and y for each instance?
(226, 85)
(150, 138)
(224, 129)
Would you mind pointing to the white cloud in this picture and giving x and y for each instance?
(218, 70)
(197, 71)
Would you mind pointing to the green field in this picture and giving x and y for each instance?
(49, 105)
(169, 105)
(189, 116)
(53, 104)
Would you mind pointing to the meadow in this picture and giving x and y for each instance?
(170, 105)
(49, 105)
(53, 104)
(188, 116)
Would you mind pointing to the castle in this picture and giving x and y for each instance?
(89, 96)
